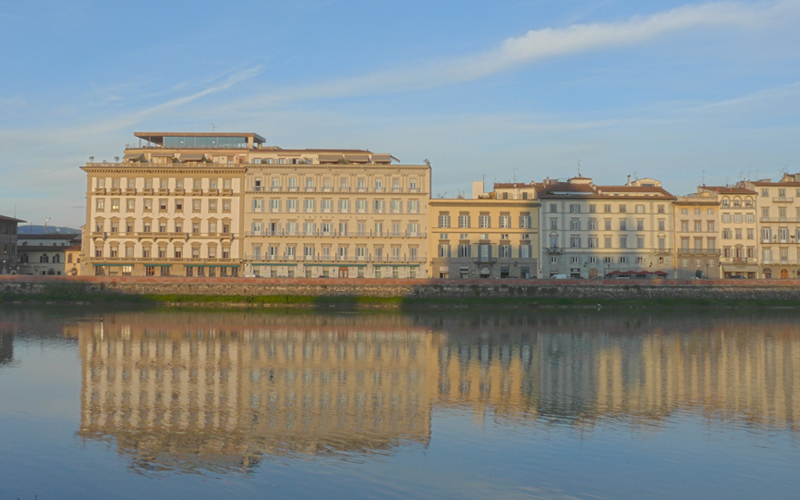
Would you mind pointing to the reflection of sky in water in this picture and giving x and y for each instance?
(548, 406)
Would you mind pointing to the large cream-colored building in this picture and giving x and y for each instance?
(492, 235)
(223, 204)
(591, 231)
(335, 213)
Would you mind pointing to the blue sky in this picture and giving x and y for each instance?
(679, 91)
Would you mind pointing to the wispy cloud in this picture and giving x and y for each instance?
(542, 44)
(781, 92)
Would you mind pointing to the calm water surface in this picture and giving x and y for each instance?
(593, 405)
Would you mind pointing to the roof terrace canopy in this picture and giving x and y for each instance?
(201, 139)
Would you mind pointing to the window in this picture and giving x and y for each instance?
(484, 221)
(623, 209)
(504, 251)
(115, 204)
(258, 205)
(525, 221)
(661, 225)
(640, 242)
(308, 206)
(607, 208)
(623, 224)
(196, 205)
(444, 250)
(275, 205)
(661, 209)
(554, 224)
(524, 251)
(575, 225)
(226, 206)
(592, 208)
(344, 206)
(505, 221)
(553, 208)
(377, 206)
(327, 206)
(592, 224)
(607, 224)
(574, 208)
(593, 242)
(444, 220)
(711, 226)
(640, 224)
(639, 209)
(413, 206)
(623, 242)
(463, 220)
(607, 242)
(575, 242)
(130, 205)
(396, 206)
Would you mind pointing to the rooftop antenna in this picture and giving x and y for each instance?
(515, 175)
(579, 167)
(704, 178)
(213, 129)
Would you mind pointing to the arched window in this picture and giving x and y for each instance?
(69, 258)
(56, 259)
(23, 259)
(44, 259)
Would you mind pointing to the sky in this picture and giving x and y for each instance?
(681, 91)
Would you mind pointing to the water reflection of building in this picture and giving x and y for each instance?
(588, 368)
(182, 393)
(221, 391)
(6, 346)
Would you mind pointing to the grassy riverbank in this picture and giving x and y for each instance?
(78, 293)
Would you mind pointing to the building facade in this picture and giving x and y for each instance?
(8, 244)
(484, 237)
(335, 213)
(199, 204)
(696, 224)
(778, 226)
(591, 231)
(738, 229)
(44, 254)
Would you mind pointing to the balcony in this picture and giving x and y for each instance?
(130, 191)
(739, 260)
(554, 250)
(179, 191)
(197, 192)
(213, 192)
(663, 251)
(779, 219)
(782, 199)
(698, 251)
(257, 189)
(227, 192)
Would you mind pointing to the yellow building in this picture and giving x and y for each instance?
(696, 223)
(484, 237)
(779, 226)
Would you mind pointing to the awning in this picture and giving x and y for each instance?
(381, 158)
(444, 269)
(158, 265)
(132, 156)
(271, 264)
(163, 154)
(108, 264)
(192, 156)
(357, 158)
(326, 157)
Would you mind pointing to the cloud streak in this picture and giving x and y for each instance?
(537, 45)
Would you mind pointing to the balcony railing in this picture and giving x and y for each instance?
(698, 251)
(339, 234)
(344, 259)
(782, 199)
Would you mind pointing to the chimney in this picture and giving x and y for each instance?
(629, 180)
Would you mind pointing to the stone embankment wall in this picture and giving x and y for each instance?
(449, 289)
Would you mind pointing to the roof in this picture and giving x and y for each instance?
(153, 135)
(10, 219)
(635, 190)
(779, 183)
(729, 190)
(507, 185)
(50, 236)
(43, 248)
